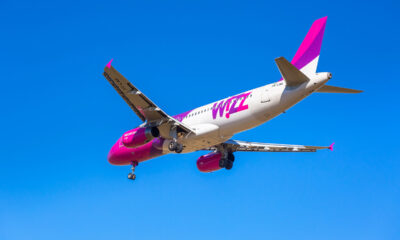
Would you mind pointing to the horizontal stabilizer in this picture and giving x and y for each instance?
(292, 75)
(332, 89)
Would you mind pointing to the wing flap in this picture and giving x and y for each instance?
(243, 146)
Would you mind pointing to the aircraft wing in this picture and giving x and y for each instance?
(144, 108)
(243, 146)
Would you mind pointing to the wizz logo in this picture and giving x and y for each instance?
(230, 106)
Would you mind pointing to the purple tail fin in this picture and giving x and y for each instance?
(306, 58)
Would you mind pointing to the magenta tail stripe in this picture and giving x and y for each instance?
(311, 45)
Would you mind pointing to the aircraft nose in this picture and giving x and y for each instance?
(112, 156)
(120, 155)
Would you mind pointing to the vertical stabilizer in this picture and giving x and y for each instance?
(306, 58)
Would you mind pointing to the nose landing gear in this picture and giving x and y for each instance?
(132, 175)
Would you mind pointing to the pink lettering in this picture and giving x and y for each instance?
(226, 106)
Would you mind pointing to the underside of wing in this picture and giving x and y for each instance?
(243, 146)
(139, 103)
(144, 108)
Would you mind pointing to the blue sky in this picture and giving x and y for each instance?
(60, 117)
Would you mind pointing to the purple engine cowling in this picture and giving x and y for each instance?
(209, 162)
(139, 136)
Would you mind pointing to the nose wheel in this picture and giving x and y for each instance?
(132, 175)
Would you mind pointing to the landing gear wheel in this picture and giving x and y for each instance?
(179, 148)
(131, 176)
(228, 165)
(222, 162)
(231, 157)
(172, 146)
(225, 163)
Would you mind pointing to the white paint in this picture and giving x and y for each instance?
(264, 104)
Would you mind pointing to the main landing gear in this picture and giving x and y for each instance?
(174, 146)
(132, 175)
(227, 162)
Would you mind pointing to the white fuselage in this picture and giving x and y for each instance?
(217, 122)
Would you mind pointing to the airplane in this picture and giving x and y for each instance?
(212, 126)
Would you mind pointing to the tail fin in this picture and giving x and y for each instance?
(306, 57)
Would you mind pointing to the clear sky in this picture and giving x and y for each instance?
(59, 118)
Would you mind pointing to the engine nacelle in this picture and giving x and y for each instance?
(139, 136)
(209, 162)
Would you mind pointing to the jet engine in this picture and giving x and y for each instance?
(139, 136)
(209, 162)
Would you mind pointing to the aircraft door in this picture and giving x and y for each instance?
(264, 95)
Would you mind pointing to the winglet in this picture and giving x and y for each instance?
(331, 146)
(109, 63)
